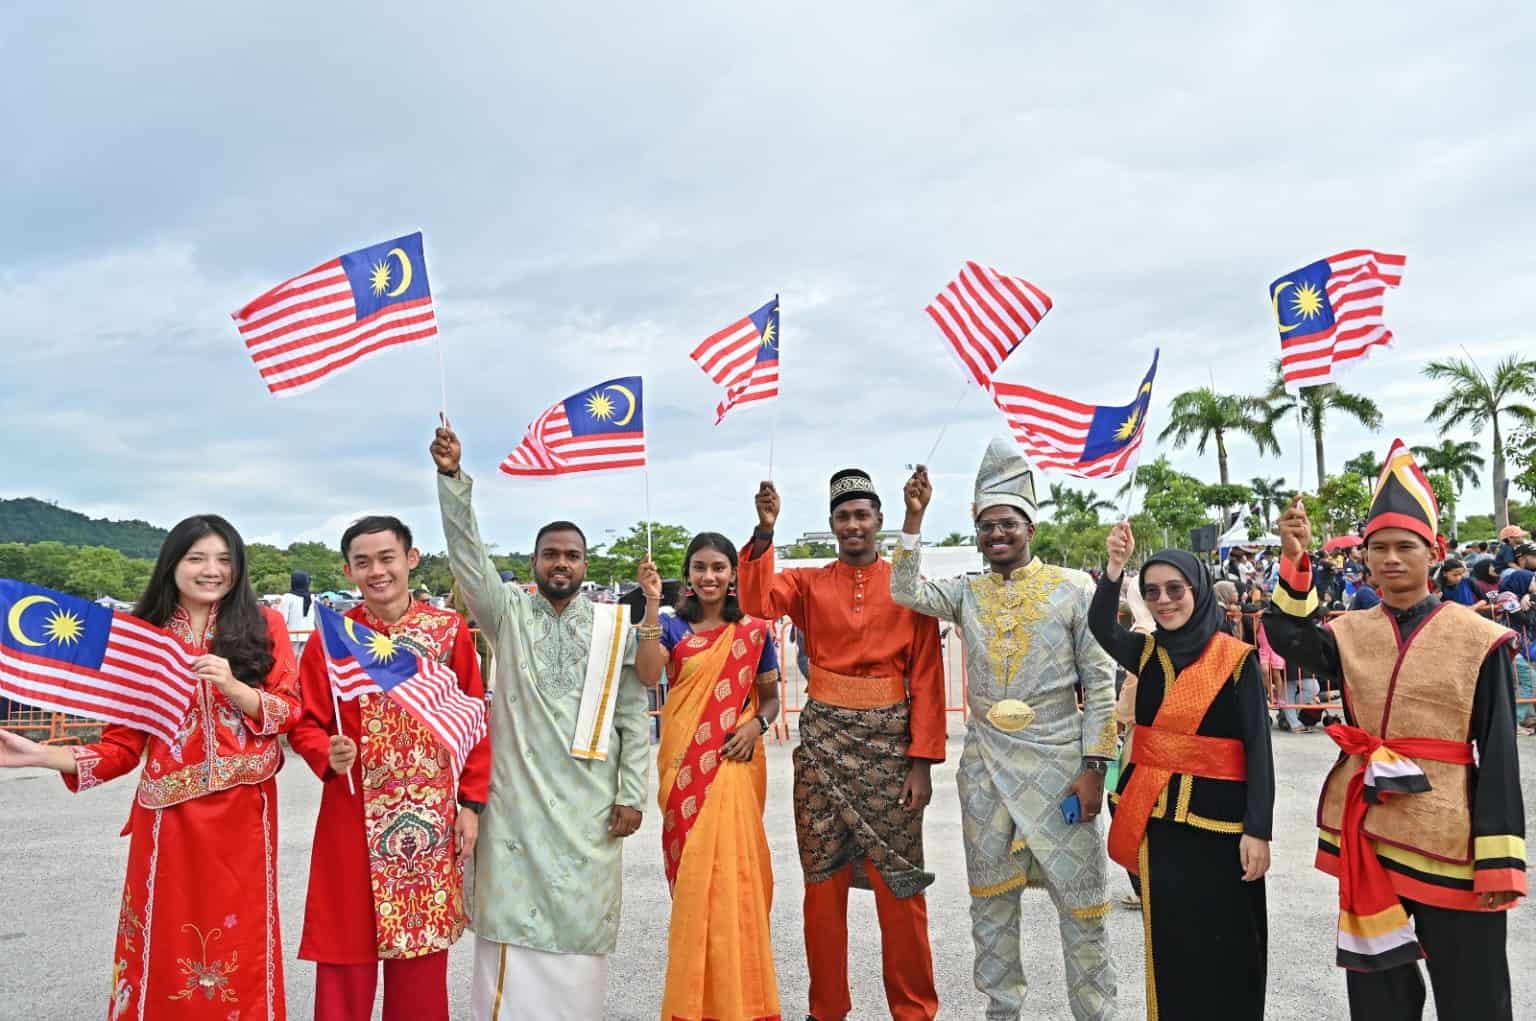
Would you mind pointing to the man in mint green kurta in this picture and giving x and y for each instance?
(547, 862)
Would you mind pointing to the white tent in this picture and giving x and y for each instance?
(1237, 535)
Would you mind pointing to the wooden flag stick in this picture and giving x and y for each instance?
(336, 705)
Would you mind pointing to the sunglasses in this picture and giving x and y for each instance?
(1174, 590)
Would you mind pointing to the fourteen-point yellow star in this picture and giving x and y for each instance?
(770, 334)
(64, 627)
(381, 648)
(378, 278)
(1307, 301)
(600, 407)
(1128, 427)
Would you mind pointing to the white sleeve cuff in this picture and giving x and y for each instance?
(911, 540)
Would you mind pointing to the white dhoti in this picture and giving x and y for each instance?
(515, 983)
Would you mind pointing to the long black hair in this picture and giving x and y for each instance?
(241, 635)
(689, 608)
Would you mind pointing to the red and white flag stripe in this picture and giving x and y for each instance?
(985, 314)
(1053, 432)
(306, 329)
(549, 448)
(1357, 284)
(433, 697)
(145, 680)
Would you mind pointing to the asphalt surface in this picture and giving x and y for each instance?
(62, 864)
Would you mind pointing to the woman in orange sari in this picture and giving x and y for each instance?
(723, 693)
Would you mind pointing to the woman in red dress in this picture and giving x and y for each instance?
(198, 934)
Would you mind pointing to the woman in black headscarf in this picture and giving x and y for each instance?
(1194, 807)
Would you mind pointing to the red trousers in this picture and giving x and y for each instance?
(906, 960)
(414, 990)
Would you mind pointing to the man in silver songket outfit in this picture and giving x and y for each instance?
(1028, 748)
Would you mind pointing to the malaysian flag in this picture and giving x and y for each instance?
(1090, 441)
(71, 656)
(599, 429)
(743, 358)
(985, 314)
(1330, 313)
(337, 314)
(361, 661)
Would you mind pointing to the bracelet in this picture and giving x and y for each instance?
(762, 536)
(649, 632)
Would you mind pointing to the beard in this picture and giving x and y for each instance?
(553, 589)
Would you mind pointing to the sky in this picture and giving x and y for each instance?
(600, 188)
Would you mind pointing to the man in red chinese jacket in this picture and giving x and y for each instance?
(395, 825)
(869, 736)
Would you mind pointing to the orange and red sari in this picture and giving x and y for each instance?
(719, 955)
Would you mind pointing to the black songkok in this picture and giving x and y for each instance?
(853, 484)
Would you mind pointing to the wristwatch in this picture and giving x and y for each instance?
(1096, 765)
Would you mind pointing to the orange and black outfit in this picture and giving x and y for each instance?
(1200, 776)
(876, 702)
(1422, 813)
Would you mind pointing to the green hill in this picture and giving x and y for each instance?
(31, 520)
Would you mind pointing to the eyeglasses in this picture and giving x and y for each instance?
(1007, 526)
(1174, 590)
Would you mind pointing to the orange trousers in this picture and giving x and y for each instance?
(906, 959)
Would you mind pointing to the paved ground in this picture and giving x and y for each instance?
(62, 866)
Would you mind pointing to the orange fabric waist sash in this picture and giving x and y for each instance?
(849, 692)
(1215, 758)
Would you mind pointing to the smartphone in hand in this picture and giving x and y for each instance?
(1072, 810)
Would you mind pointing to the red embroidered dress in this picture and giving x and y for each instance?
(383, 881)
(198, 934)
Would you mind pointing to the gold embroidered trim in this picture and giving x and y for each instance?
(1089, 914)
(1016, 883)
(1143, 866)
(1018, 845)
(1186, 788)
(1147, 649)
(1200, 822)
(1007, 608)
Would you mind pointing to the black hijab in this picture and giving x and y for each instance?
(1185, 645)
(298, 584)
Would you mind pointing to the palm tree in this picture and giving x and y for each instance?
(1458, 461)
(1270, 493)
(1202, 415)
(956, 539)
(1075, 504)
(1365, 464)
(1476, 400)
(1316, 402)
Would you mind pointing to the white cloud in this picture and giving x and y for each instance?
(598, 194)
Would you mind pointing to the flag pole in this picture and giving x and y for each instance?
(1130, 496)
(928, 462)
(773, 427)
(1301, 448)
(442, 374)
(336, 704)
(647, 473)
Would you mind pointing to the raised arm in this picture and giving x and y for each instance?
(762, 592)
(1123, 645)
(941, 599)
(489, 599)
(1288, 622)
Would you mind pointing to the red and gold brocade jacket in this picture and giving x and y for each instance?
(217, 746)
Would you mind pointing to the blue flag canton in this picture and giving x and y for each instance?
(1300, 301)
(384, 660)
(766, 321)
(607, 408)
(1115, 428)
(50, 625)
(386, 274)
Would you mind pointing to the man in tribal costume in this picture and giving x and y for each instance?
(1421, 818)
(872, 729)
(1027, 747)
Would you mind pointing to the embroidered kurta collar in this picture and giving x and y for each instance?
(577, 610)
(1022, 574)
(180, 625)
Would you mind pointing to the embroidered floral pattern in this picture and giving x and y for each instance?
(207, 978)
(86, 761)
